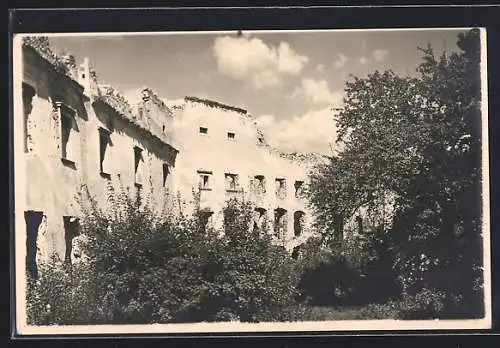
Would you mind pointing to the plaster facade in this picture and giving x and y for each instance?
(79, 134)
(224, 155)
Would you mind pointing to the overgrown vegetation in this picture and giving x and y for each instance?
(413, 139)
(142, 268)
(416, 139)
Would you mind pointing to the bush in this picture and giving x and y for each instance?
(62, 296)
(329, 282)
(252, 277)
(426, 304)
(357, 272)
(142, 268)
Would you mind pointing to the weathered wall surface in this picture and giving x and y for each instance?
(245, 155)
(58, 162)
(147, 149)
(51, 183)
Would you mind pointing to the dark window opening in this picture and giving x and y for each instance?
(69, 129)
(230, 135)
(298, 223)
(280, 222)
(259, 218)
(28, 94)
(205, 181)
(280, 188)
(104, 142)
(203, 130)
(204, 178)
(231, 182)
(71, 230)
(33, 220)
(166, 171)
(299, 185)
(259, 184)
(66, 125)
(280, 183)
(206, 219)
(138, 165)
(163, 128)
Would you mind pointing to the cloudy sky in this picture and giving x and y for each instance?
(288, 81)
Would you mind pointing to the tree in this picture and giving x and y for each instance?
(418, 140)
(254, 279)
(144, 268)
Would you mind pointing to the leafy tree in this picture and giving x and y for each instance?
(416, 139)
(354, 274)
(254, 279)
(143, 268)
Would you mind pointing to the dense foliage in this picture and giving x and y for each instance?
(356, 273)
(142, 268)
(416, 139)
(410, 165)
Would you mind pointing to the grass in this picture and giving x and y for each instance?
(324, 313)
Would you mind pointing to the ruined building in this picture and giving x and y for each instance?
(224, 155)
(78, 133)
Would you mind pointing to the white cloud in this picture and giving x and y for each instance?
(251, 59)
(363, 60)
(314, 131)
(340, 61)
(320, 68)
(380, 55)
(289, 61)
(265, 78)
(317, 92)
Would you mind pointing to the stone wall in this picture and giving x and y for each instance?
(222, 142)
(81, 134)
(67, 119)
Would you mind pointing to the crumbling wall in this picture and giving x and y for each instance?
(63, 152)
(51, 182)
(247, 155)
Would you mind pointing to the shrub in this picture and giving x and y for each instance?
(426, 304)
(252, 277)
(356, 272)
(63, 296)
(142, 268)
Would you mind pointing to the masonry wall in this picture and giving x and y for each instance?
(54, 177)
(216, 154)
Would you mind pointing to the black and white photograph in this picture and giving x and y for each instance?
(251, 181)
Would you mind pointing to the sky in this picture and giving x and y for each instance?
(288, 81)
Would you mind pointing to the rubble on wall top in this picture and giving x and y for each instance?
(305, 157)
(260, 135)
(107, 94)
(117, 101)
(175, 104)
(149, 95)
(215, 104)
(65, 65)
